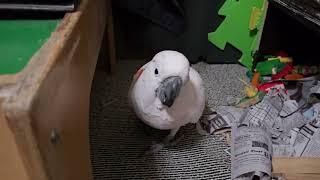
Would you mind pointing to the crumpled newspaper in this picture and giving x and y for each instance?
(251, 151)
(285, 126)
(276, 113)
(220, 119)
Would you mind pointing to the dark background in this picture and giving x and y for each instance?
(187, 24)
(138, 37)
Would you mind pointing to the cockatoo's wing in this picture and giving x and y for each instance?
(200, 102)
(134, 80)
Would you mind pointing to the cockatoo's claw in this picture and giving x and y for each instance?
(167, 142)
(175, 141)
(154, 149)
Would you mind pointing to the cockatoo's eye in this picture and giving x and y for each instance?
(156, 71)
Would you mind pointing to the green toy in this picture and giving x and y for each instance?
(19, 40)
(269, 67)
(242, 27)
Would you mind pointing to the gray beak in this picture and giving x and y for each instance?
(169, 90)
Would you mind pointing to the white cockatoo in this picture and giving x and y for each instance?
(166, 93)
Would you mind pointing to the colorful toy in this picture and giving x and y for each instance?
(293, 76)
(255, 79)
(250, 90)
(271, 85)
(306, 70)
(247, 102)
(285, 71)
(287, 60)
(255, 18)
(269, 67)
(242, 27)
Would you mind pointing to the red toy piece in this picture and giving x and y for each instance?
(267, 86)
(285, 71)
(282, 54)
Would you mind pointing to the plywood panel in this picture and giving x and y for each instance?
(62, 103)
(52, 94)
(297, 168)
(11, 166)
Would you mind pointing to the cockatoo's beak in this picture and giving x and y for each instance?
(168, 90)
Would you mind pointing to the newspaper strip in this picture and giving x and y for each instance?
(313, 115)
(309, 88)
(277, 114)
(227, 116)
(315, 88)
(296, 120)
(251, 150)
(286, 149)
(307, 143)
(265, 113)
(230, 112)
(252, 175)
(303, 142)
(223, 118)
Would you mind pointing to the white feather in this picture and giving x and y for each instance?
(188, 105)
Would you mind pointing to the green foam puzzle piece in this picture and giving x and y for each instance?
(19, 40)
(235, 28)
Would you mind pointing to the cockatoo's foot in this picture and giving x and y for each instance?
(168, 141)
(155, 148)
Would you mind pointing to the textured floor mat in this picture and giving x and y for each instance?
(118, 139)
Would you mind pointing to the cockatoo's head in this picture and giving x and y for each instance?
(166, 73)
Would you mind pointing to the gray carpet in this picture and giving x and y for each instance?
(118, 139)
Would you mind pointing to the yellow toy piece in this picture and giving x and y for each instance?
(251, 91)
(255, 18)
(285, 59)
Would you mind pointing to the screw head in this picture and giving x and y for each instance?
(54, 137)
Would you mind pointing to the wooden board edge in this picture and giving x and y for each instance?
(23, 87)
(296, 165)
(53, 42)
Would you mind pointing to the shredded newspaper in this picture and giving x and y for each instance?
(251, 151)
(276, 126)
